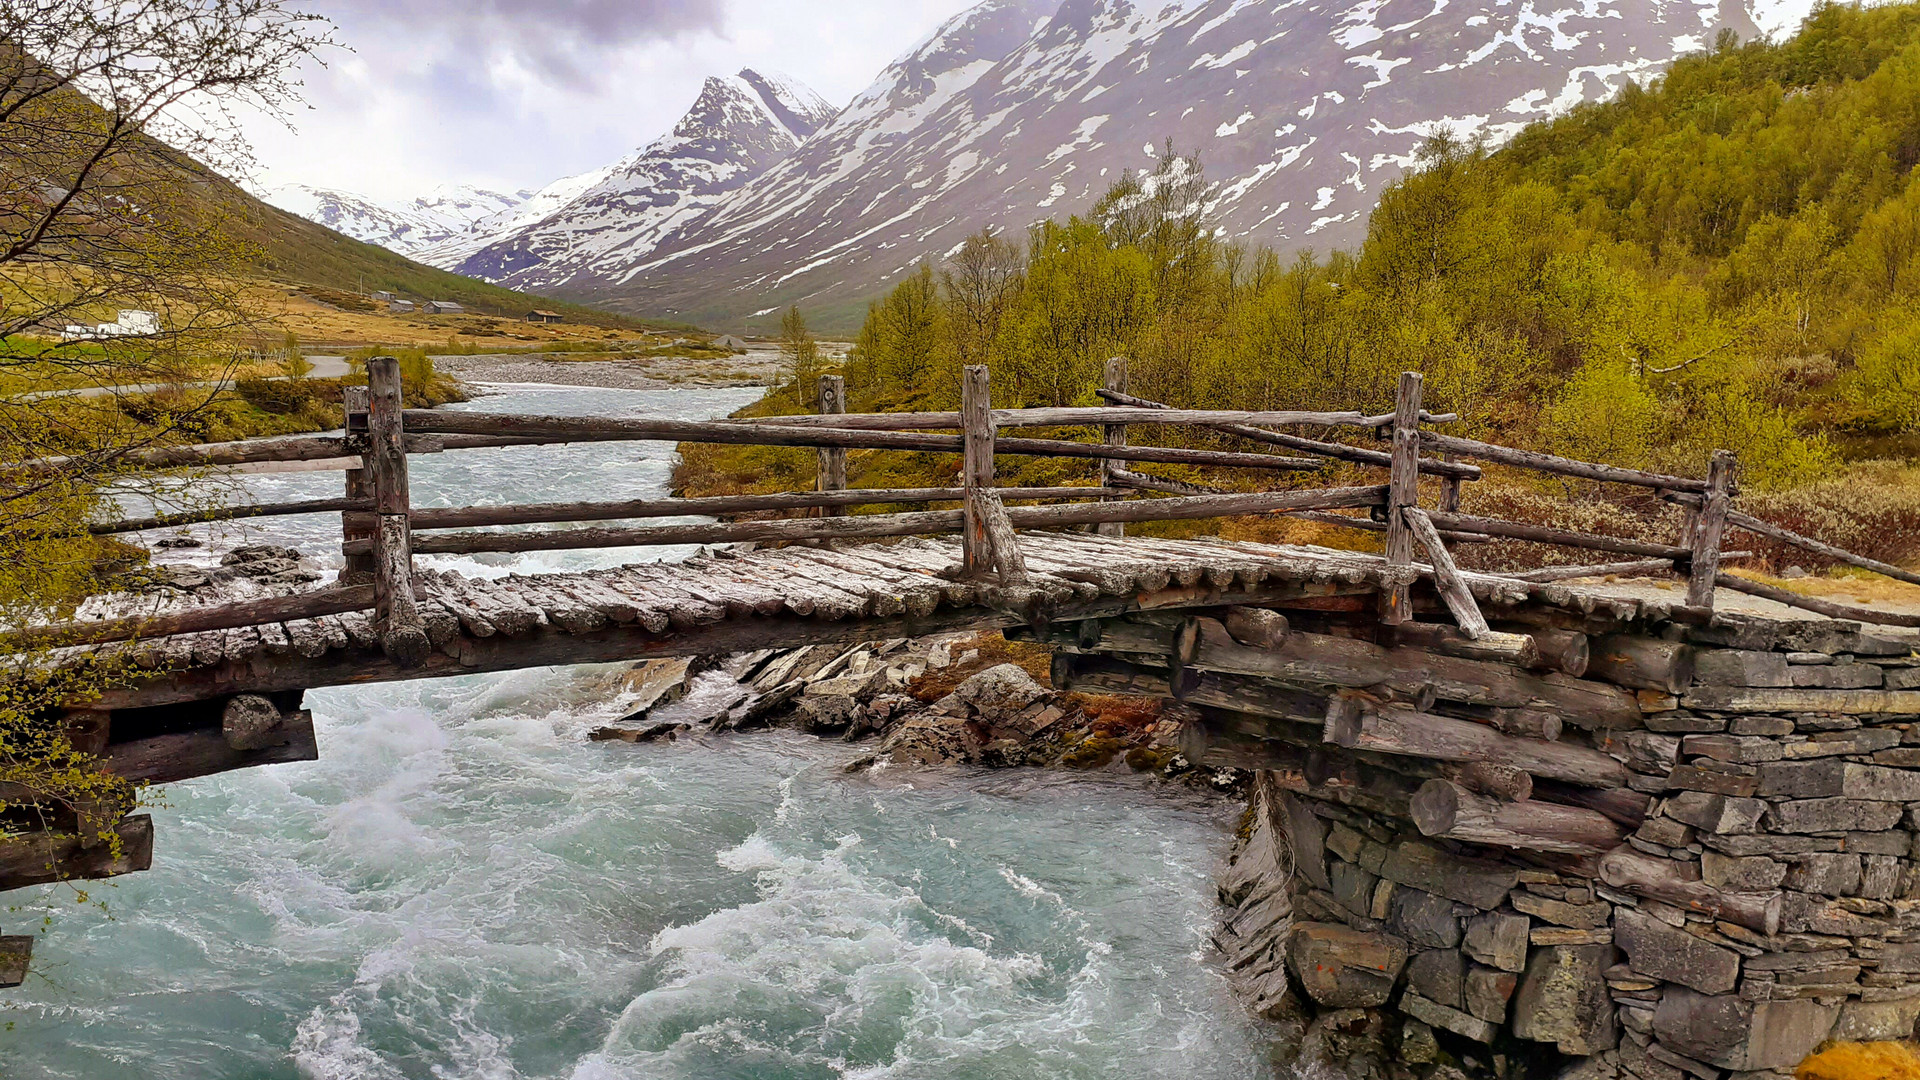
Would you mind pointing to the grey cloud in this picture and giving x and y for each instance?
(562, 39)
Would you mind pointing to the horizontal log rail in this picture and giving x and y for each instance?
(1829, 608)
(715, 431)
(306, 605)
(471, 517)
(1806, 543)
(1129, 412)
(881, 525)
(229, 513)
(1541, 534)
(1552, 463)
(1356, 454)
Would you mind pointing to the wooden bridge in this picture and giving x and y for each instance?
(204, 688)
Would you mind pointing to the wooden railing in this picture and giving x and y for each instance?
(382, 530)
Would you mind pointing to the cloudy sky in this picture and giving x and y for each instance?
(515, 93)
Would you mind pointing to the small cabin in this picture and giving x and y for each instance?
(399, 307)
(539, 316)
(384, 297)
(441, 307)
(730, 343)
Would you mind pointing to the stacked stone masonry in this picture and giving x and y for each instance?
(1761, 896)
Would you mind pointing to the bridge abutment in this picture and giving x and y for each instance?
(1709, 872)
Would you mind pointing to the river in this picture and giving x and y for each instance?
(463, 887)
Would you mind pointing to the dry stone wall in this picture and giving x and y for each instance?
(1764, 898)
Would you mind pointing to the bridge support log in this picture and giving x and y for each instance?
(403, 634)
(358, 487)
(183, 755)
(16, 952)
(1678, 883)
(1643, 663)
(1445, 809)
(1403, 485)
(37, 858)
(1516, 649)
(1442, 738)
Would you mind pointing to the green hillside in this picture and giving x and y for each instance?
(1725, 258)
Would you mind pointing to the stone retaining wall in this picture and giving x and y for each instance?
(1767, 901)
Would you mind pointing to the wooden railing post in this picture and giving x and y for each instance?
(833, 461)
(355, 525)
(1403, 490)
(976, 469)
(1707, 530)
(1113, 435)
(402, 634)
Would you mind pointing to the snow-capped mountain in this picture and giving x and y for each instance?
(1015, 110)
(738, 127)
(409, 228)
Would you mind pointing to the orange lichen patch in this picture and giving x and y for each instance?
(1115, 713)
(1862, 1061)
(994, 650)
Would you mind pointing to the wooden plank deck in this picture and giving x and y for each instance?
(730, 601)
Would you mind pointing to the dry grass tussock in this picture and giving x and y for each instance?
(1863, 1061)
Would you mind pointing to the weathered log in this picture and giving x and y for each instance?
(1442, 738)
(1002, 545)
(1047, 416)
(1258, 628)
(403, 633)
(1111, 474)
(1323, 660)
(1673, 882)
(1755, 525)
(1643, 663)
(1564, 650)
(1565, 538)
(16, 952)
(932, 521)
(1491, 779)
(1815, 604)
(229, 513)
(1708, 530)
(1445, 809)
(306, 605)
(355, 402)
(396, 616)
(36, 858)
(832, 472)
(1124, 478)
(1446, 576)
(1403, 491)
(1530, 723)
(1506, 648)
(1370, 525)
(87, 729)
(1528, 459)
(470, 517)
(183, 755)
(600, 429)
(1340, 451)
(1619, 569)
(976, 469)
(1624, 805)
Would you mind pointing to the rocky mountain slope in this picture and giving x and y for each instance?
(410, 228)
(1021, 109)
(738, 127)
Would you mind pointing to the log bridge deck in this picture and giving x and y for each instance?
(1367, 645)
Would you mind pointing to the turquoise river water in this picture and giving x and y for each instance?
(464, 887)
